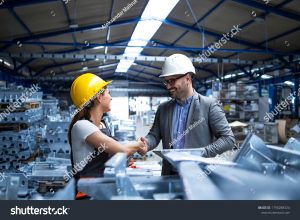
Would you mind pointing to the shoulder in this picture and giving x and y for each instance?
(83, 128)
(207, 100)
(208, 104)
(83, 125)
(80, 123)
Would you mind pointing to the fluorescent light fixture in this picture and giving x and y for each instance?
(73, 26)
(107, 65)
(229, 76)
(289, 83)
(99, 47)
(255, 69)
(240, 74)
(265, 76)
(124, 65)
(151, 20)
(7, 63)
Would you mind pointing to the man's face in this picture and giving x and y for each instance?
(177, 85)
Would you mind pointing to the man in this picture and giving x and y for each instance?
(189, 120)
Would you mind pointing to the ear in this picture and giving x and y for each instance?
(99, 98)
(190, 77)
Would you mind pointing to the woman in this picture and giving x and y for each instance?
(89, 137)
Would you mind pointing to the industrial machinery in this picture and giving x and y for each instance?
(34, 150)
(257, 171)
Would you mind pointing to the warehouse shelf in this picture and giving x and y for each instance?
(238, 105)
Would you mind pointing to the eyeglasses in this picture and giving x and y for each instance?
(172, 81)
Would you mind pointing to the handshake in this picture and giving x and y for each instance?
(143, 146)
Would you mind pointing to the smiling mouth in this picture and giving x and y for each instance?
(172, 90)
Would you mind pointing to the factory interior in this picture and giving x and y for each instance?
(246, 58)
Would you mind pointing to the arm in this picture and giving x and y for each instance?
(104, 143)
(221, 130)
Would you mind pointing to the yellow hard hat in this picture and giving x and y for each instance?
(85, 87)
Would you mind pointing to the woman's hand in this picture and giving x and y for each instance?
(134, 146)
(144, 149)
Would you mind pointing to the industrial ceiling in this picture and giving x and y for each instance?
(55, 40)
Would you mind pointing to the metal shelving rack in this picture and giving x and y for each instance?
(240, 101)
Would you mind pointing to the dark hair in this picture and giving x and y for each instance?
(82, 114)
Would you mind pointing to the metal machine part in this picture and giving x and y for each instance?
(293, 144)
(30, 134)
(28, 116)
(13, 186)
(269, 160)
(125, 130)
(237, 183)
(176, 157)
(253, 153)
(257, 172)
(124, 185)
(150, 187)
(207, 189)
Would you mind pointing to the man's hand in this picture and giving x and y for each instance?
(143, 150)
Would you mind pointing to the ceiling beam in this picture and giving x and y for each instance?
(137, 58)
(267, 8)
(21, 3)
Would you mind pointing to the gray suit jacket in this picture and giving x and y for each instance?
(207, 128)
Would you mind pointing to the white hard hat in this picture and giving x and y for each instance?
(177, 64)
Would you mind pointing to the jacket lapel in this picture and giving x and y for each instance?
(170, 119)
(190, 120)
(192, 109)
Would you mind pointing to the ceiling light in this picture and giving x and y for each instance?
(229, 76)
(107, 65)
(151, 20)
(99, 47)
(265, 76)
(73, 26)
(7, 63)
(289, 83)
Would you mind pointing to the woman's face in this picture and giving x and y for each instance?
(105, 101)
